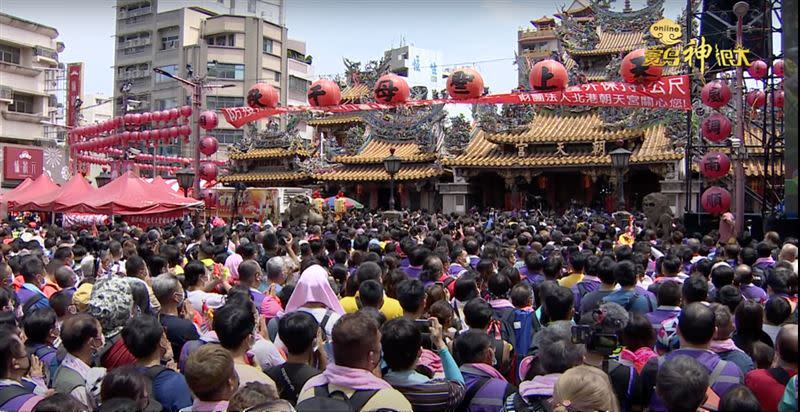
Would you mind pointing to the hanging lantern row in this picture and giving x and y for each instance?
(715, 94)
(209, 145)
(125, 137)
(135, 119)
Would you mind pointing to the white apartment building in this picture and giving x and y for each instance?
(30, 74)
(205, 38)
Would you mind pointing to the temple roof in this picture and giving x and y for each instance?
(481, 153)
(270, 153)
(355, 92)
(336, 120)
(611, 42)
(263, 177)
(543, 20)
(377, 173)
(376, 150)
(554, 128)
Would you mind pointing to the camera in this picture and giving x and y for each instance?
(424, 325)
(595, 340)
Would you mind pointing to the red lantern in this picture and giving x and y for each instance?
(125, 137)
(208, 145)
(144, 135)
(777, 68)
(262, 96)
(465, 83)
(184, 130)
(173, 132)
(758, 69)
(756, 99)
(716, 127)
(186, 111)
(777, 96)
(324, 92)
(208, 120)
(633, 69)
(156, 116)
(548, 75)
(715, 165)
(391, 88)
(146, 117)
(174, 113)
(716, 200)
(128, 118)
(715, 94)
(208, 171)
(137, 118)
(135, 136)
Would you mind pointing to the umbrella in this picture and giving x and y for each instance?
(348, 203)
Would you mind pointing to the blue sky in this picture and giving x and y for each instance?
(464, 31)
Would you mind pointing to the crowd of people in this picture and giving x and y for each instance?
(576, 311)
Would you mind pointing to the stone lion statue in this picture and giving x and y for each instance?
(301, 213)
(659, 215)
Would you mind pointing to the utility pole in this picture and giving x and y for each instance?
(196, 86)
(740, 9)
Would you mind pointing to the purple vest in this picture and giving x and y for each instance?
(753, 292)
(413, 272)
(493, 390)
(722, 381)
(455, 270)
(659, 315)
(16, 403)
(586, 286)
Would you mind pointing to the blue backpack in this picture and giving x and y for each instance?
(525, 326)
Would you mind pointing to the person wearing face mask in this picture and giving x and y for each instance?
(81, 336)
(30, 294)
(40, 328)
(15, 363)
(176, 311)
(145, 338)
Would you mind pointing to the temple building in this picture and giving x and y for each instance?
(554, 157)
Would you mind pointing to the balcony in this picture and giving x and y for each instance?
(19, 69)
(299, 67)
(530, 34)
(128, 13)
(143, 41)
(537, 54)
(44, 54)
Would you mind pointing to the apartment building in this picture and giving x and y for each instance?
(205, 39)
(422, 68)
(32, 87)
(30, 74)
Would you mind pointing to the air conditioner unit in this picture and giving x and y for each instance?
(6, 94)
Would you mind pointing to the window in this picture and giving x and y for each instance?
(251, 6)
(164, 104)
(278, 77)
(226, 71)
(227, 136)
(268, 44)
(23, 103)
(169, 42)
(218, 102)
(171, 69)
(221, 40)
(298, 84)
(9, 54)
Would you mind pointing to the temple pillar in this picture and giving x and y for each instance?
(674, 187)
(373, 196)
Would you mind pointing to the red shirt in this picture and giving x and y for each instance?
(767, 390)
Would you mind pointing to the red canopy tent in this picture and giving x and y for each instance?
(131, 195)
(20, 187)
(75, 191)
(163, 186)
(39, 187)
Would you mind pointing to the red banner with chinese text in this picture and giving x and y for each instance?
(155, 219)
(74, 90)
(22, 162)
(667, 93)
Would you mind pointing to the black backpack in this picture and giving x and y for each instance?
(323, 400)
(532, 403)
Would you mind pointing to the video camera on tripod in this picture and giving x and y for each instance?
(595, 337)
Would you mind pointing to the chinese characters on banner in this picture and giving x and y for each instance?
(155, 219)
(22, 162)
(695, 54)
(670, 92)
(74, 90)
